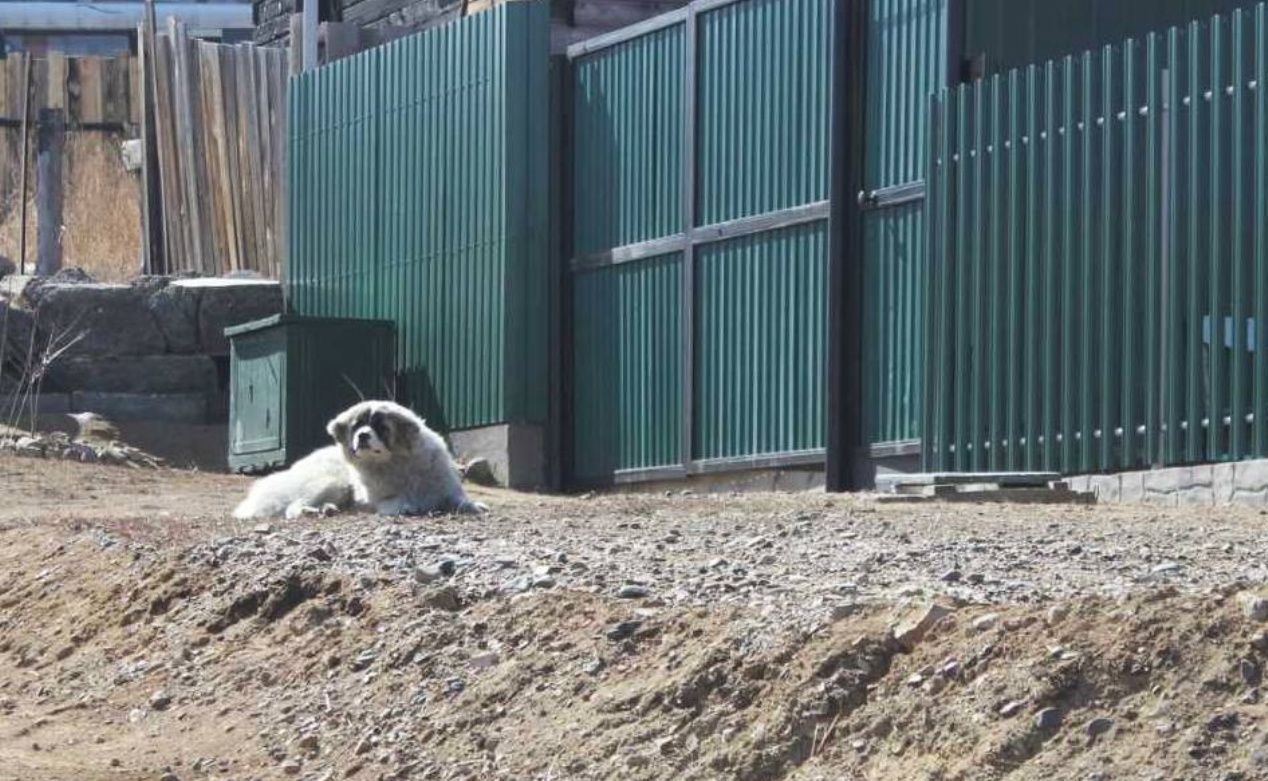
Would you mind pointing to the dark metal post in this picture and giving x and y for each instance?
(154, 250)
(845, 435)
(49, 143)
(24, 141)
(560, 435)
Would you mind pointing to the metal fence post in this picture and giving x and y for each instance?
(1164, 277)
(691, 66)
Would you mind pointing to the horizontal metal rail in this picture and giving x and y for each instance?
(639, 29)
(721, 231)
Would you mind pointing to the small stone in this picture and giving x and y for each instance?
(1250, 672)
(1166, 568)
(1098, 727)
(1222, 721)
(845, 610)
(428, 574)
(1057, 614)
(1253, 606)
(951, 669)
(544, 582)
(264, 528)
(1260, 641)
(976, 578)
(912, 631)
(623, 630)
(169, 777)
(480, 472)
(308, 742)
(1048, 719)
(484, 661)
(633, 591)
(1011, 709)
(159, 700)
(985, 623)
(951, 576)
(444, 598)
(517, 585)
(915, 679)
(935, 685)
(291, 767)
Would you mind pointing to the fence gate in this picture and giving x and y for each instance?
(699, 193)
(1098, 294)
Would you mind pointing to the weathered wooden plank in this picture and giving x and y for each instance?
(185, 98)
(175, 239)
(90, 103)
(219, 234)
(56, 97)
(248, 155)
(136, 91)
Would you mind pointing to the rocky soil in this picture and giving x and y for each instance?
(145, 635)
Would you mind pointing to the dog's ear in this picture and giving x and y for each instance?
(338, 429)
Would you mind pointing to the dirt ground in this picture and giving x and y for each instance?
(146, 635)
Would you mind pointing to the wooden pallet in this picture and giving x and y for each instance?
(981, 487)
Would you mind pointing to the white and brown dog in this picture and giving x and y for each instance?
(384, 459)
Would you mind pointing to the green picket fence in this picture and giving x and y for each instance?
(1098, 275)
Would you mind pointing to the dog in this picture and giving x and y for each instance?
(404, 468)
(384, 459)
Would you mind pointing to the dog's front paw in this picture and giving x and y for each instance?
(473, 508)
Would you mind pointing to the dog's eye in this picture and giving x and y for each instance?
(376, 420)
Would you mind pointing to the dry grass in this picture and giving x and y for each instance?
(101, 218)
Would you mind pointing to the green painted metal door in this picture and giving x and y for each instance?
(257, 393)
(699, 240)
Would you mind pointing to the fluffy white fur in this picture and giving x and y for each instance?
(384, 458)
(316, 482)
(402, 465)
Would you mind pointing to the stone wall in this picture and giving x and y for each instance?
(152, 351)
(1242, 482)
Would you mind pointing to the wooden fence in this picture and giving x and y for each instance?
(78, 110)
(220, 127)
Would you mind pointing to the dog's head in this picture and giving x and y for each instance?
(373, 431)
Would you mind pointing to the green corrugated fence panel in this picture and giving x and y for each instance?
(764, 97)
(1098, 257)
(418, 175)
(333, 261)
(894, 321)
(907, 52)
(628, 113)
(761, 328)
(628, 375)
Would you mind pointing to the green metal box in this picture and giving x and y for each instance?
(289, 375)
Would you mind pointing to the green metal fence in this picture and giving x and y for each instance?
(699, 186)
(418, 179)
(1098, 293)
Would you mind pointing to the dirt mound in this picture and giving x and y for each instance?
(143, 635)
(142, 663)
